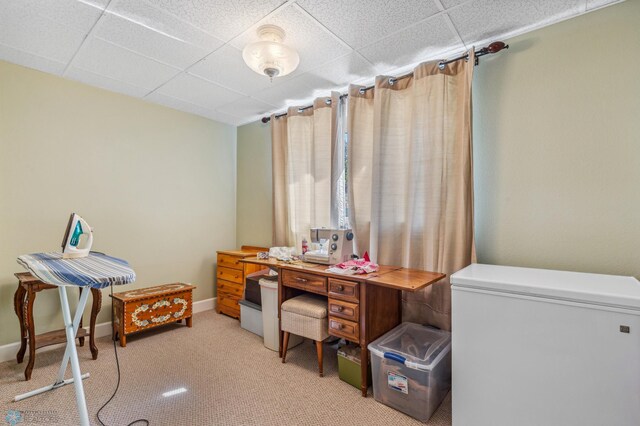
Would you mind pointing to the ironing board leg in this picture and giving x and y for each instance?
(70, 353)
(73, 354)
(84, 296)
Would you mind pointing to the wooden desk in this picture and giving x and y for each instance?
(361, 307)
(23, 299)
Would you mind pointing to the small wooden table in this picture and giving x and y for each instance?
(361, 307)
(23, 300)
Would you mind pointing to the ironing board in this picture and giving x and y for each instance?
(97, 270)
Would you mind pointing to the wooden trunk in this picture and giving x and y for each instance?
(145, 308)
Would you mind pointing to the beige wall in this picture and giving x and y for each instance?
(254, 185)
(556, 147)
(158, 185)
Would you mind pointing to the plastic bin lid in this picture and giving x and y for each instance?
(352, 353)
(416, 346)
(268, 283)
(248, 304)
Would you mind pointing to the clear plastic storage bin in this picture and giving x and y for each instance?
(411, 368)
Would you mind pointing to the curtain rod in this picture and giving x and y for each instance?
(494, 47)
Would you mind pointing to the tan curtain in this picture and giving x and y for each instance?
(303, 143)
(279, 161)
(420, 183)
(360, 159)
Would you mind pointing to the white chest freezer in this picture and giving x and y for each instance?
(540, 347)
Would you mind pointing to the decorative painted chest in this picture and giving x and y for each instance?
(145, 308)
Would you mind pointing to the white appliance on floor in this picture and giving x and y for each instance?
(541, 347)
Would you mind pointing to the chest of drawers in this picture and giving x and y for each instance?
(230, 278)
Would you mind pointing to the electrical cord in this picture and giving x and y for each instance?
(115, 351)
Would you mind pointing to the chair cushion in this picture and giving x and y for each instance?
(308, 305)
(305, 326)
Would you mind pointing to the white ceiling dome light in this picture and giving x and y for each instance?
(269, 56)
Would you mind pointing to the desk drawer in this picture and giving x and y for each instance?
(342, 328)
(228, 261)
(345, 290)
(232, 275)
(309, 282)
(345, 310)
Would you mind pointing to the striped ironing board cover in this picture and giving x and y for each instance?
(97, 270)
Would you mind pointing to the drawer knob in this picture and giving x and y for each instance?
(338, 309)
(340, 288)
(302, 280)
(337, 326)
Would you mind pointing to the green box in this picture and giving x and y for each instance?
(349, 366)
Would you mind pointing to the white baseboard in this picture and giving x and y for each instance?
(9, 351)
(204, 305)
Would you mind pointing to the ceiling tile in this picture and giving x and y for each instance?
(223, 118)
(245, 106)
(174, 103)
(343, 71)
(359, 23)
(31, 61)
(226, 67)
(190, 108)
(480, 20)
(99, 4)
(103, 58)
(426, 40)
(149, 43)
(197, 91)
(224, 19)
(313, 43)
(594, 4)
(292, 92)
(452, 3)
(160, 22)
(103, 82)
(51, 29)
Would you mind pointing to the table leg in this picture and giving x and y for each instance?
(80, 339)
(364, 367)
(18, 305)
(31, 330)
(96, 305)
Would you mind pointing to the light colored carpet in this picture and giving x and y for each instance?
(230, 377)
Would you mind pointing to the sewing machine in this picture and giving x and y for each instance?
(330, 246)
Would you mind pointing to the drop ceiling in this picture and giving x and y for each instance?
(187, 54)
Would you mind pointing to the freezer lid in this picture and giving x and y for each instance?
(608, 290)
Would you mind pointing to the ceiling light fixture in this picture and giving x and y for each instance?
(269, 56)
